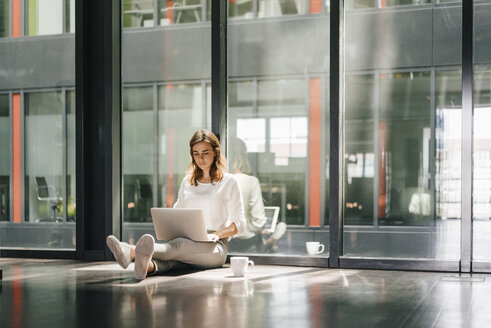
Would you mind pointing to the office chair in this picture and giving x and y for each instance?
(48, 194)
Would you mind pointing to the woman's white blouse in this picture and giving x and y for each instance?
(221, 202)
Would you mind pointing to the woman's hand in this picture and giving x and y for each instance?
(213, 237)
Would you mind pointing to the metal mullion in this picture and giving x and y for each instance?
(219, 70)
(63, 17)
(324, 135)
(467, 142)
(156, 148)
(64, 154)
(336, 110)
(22, 18)
(376, 150)
(98, 126)
(10, 18)
(432, 149)
(156, 13)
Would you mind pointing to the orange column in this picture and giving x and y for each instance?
(169, 14)
(315, 6)
(16, 18)
(382, 169)
(16, 158)
(315, 151)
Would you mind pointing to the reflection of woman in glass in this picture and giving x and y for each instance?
(252, 239)
(206, 186)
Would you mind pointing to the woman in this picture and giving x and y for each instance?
(206, 186)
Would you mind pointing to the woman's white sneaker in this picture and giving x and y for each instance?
(143, 255)
(121, 251)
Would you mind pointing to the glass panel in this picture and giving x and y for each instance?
(180, 114)
(43, 157)
(402, 151)
(482, 136)
(404, 126)
(138, 13)
(43, 17)
(274, 8)
(268, 147)
(180, 11)
(70, 16)
(392, 3)
(243, 9)
(138, 143)
(48, 191)
(165, 101)
(359, 150)
(70, 157)
(360, 4)
(37, 171)
(4, 18)
(5, 142)
(278, 125)
(448, 171)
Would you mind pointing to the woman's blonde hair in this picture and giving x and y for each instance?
(218, 167)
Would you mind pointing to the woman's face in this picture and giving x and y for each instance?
(203, 155)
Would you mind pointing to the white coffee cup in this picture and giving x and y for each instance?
(240, 265)
(314, 247)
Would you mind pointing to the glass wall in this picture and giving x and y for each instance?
(37, 129)
(5, 142)
(482, 135)
(402, 134)
(165, 100)
(277, 122)
(48, 17)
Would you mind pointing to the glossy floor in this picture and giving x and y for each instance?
(60, 293)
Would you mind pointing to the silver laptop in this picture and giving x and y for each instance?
(171, 223)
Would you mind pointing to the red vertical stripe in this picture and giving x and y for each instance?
(16, 18)
(16, 158)
(382, 169)
(315, 150)
(169, 14)
(315, 6)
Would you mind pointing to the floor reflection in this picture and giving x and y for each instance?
(71, 293)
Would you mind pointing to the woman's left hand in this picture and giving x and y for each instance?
(213, 237)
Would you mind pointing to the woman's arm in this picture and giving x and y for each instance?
(223, 233)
